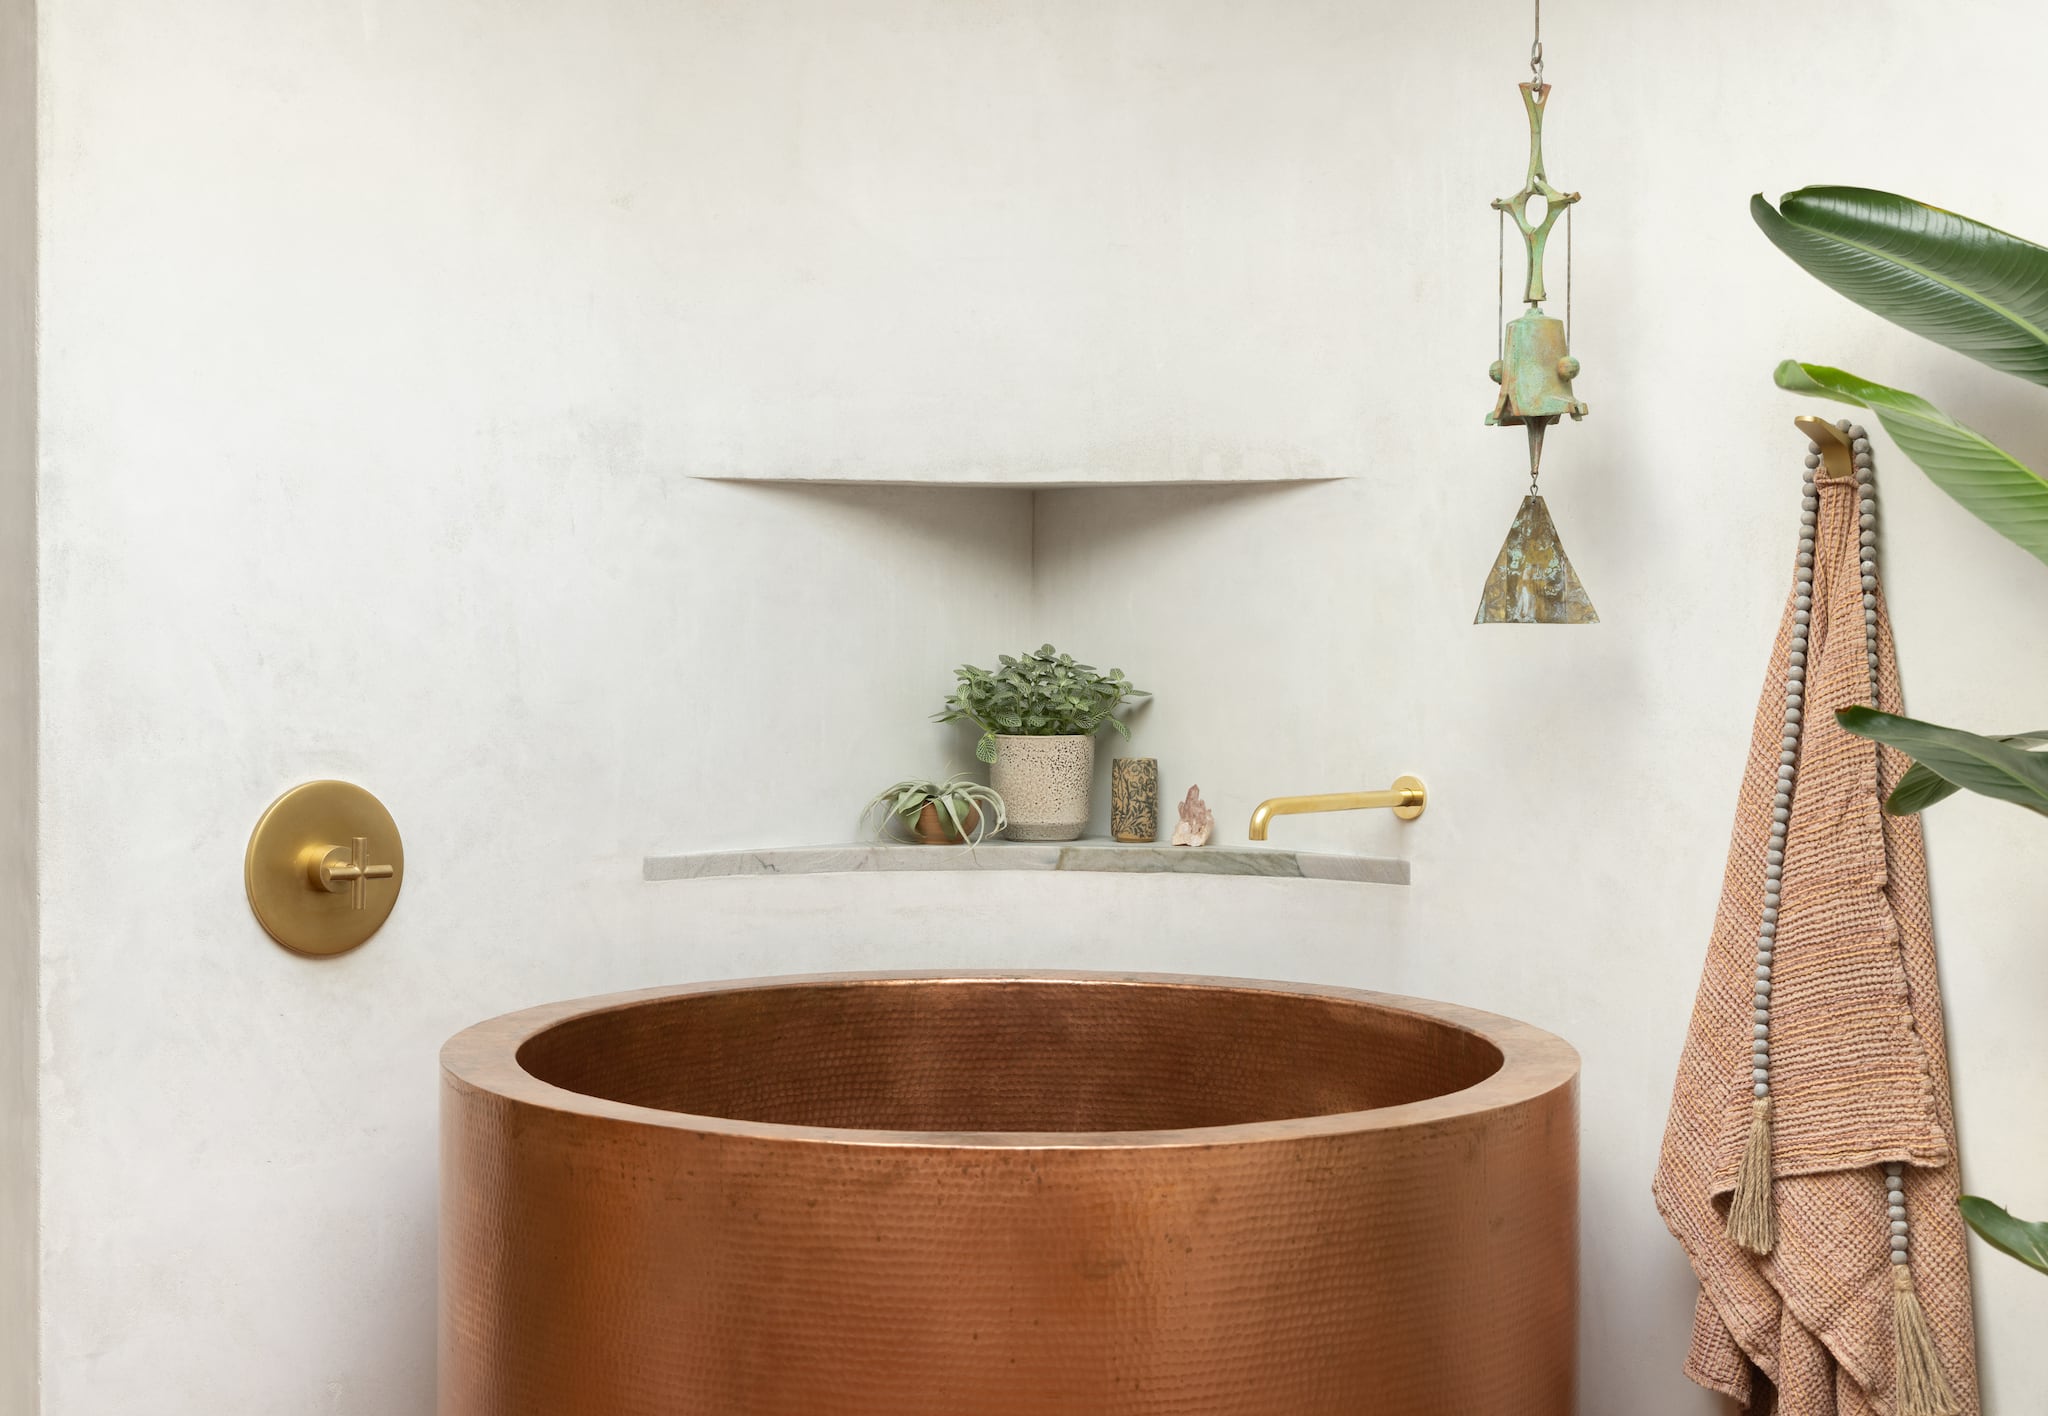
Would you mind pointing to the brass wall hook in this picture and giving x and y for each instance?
(1833, 443)
(315, 896)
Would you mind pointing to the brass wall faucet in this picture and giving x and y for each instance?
(1406, 800)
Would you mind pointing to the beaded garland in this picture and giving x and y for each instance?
(1795, 708)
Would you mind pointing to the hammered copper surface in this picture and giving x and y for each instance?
(962, 1195)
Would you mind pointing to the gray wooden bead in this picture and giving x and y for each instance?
(1762, 1089)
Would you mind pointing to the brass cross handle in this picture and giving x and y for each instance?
(309, 894)
(340, 868)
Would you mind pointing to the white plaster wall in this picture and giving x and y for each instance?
(17, 707)
(378, 339)
(1319, 638)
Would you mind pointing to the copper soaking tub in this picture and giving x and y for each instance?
(991, 1195)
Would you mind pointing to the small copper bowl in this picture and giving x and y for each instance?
(1001, 1194)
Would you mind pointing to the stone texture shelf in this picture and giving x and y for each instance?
(1089, 855)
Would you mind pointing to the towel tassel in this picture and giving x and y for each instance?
(1923, 1386)
(1752, 1218)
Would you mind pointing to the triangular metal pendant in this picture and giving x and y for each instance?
(1533, 581)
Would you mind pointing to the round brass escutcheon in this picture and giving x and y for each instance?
(324, 867)
(1418, 797)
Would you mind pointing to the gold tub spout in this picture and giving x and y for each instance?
(1406, 799)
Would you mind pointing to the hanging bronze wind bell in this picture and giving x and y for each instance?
(1533, 581)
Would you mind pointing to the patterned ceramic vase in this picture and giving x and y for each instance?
(1044, 783)
(1134, 799)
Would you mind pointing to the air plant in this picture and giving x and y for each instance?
(957, 809)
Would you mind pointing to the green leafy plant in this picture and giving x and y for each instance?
(968, 811)
(2027, 1242)
(1040, 694)
(1984, 293)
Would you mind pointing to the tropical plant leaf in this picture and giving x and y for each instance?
(1919, 789)
(1979, 764)
(1922, 786)
(1980, 291)
(2003, 492)
(2025, 1240)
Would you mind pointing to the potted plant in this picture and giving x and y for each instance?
(1038, 714)
(957, 810)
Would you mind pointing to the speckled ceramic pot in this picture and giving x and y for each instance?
(1044, 783)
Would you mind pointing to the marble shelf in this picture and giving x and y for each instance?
(1089, 855)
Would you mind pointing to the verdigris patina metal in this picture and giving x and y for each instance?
(1533, 581)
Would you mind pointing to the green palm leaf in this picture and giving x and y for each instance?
(1922, 786)
(2025, 1241)
(1979, 764)
(2003, 492)
(1978, 290)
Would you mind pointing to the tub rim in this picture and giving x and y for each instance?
(484, 1058)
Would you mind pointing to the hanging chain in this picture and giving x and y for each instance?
(1568, 275)
(1500, 291)
(1536, 47)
